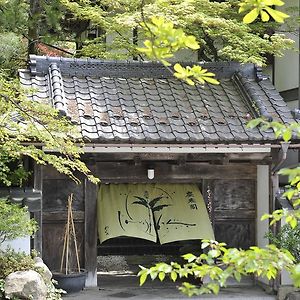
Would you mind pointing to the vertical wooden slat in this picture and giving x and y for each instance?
(90, 245)
(38, 185)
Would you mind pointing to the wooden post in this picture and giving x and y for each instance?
(38, 185)
(90, 221)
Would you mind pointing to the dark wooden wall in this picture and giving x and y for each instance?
(231, 189)
(56, 189)
(234, 211)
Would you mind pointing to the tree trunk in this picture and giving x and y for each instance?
(33, 25)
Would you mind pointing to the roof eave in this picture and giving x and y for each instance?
(174, 149)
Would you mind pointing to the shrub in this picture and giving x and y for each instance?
(14, 221)
(12, 261)
(287, 238)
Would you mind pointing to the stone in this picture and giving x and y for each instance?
(287, 292)
(25, 285)
(293, 296)
(46, 273)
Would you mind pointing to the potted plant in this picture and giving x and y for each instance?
(70, 278)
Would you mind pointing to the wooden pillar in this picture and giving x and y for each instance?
(90, 245)
(38, 185)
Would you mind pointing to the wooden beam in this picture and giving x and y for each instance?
(190, 157)
(90, 246)
(118, 172)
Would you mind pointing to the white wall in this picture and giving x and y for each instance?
(287, 67)
(19, 245)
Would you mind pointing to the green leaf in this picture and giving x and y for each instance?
(237, 276)
(190, 42)
(204, 245)
(143, 278)
(214, 287)
(265, 217)
(178, 68)
(254, 123)
(211, 80)
(189, 257)
(251, 16)
(293, 222)
(174, 275)
(161, 276)
(264, 16)
(276, 15)
(214, 253)
(295, 275)
(287, 135)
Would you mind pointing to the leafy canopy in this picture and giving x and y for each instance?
(28, 127)
(217, 27)
(213, 30)
(219, 264)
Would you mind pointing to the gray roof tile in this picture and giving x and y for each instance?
(142, 103)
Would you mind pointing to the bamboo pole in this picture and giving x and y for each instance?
(69, 233)
(66, 242)
(64, 249)
(68, 236)
(74, 237)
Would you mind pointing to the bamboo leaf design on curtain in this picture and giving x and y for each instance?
(150, 205)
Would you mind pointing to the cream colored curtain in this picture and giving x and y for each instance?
(164, 212)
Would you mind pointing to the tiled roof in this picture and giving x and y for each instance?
(135, 102)
(25, 197)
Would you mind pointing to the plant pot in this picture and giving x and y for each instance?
(71, 283)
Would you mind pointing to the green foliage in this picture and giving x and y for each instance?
(216, 25)
(164, 40)
(52, 292)
(12, 261)
(286, 132)
(194, 74)
(262, 8)
(287, 238)
(219, 264)
(25, 125)
(15, 221)
(2, 283)
(13, 16)
(12, 52)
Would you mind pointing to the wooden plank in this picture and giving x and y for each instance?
(61, 216)
(38, 184)
(51, 173)
(238, 214)
(118, 172)
(56, 192)
(53, 233)
(235, 233)
(238, 195)
(90, 245)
